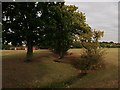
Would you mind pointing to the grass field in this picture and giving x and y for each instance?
(43, 72)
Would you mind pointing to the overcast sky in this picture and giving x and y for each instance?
(101, 16)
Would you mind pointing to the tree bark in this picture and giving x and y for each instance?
(61, 52)
(29, 50)
(61, 55)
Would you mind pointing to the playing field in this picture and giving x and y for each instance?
(43, 72)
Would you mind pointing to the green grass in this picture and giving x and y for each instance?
(44, 72)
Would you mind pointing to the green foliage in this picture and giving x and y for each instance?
(63, 24)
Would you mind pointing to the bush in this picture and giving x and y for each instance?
(91, 60)
(93, 56)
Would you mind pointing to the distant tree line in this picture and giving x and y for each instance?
(78, 44)
(75, 44)
(109, 44)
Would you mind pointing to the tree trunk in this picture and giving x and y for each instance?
(61, 55)
(29, 50)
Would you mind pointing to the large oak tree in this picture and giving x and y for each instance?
(22, 23)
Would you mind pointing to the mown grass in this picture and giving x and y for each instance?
(43, 72)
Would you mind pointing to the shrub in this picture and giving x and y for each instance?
(93, 56)
(91, 60)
